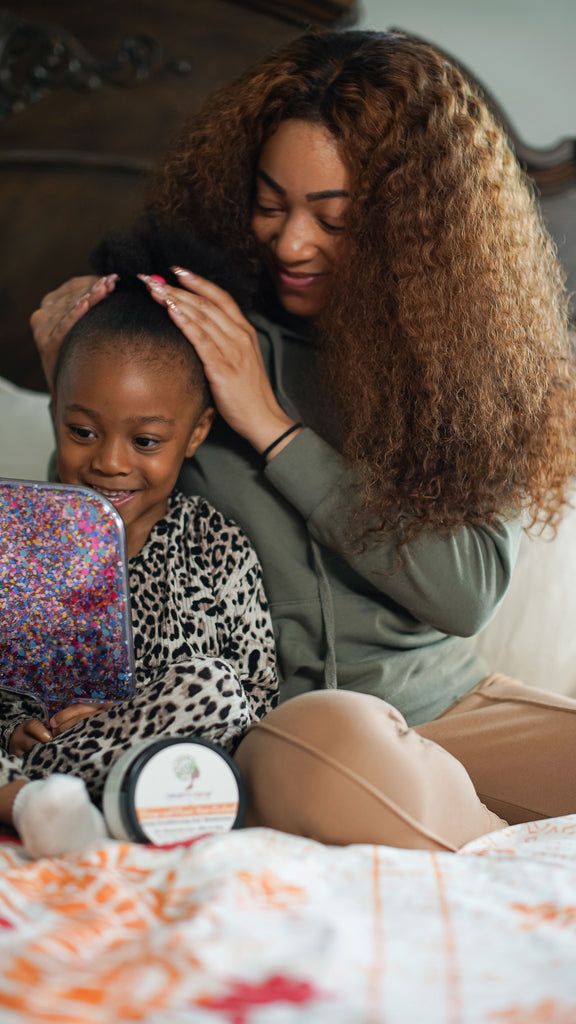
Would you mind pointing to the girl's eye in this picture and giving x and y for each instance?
(146, 442)
(82, 433)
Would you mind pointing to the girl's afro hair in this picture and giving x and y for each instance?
(154, 246)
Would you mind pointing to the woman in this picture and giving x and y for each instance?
(407, 379)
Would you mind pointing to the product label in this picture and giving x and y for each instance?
(185, 790)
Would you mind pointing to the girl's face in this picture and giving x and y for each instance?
(123, 428)
(302, 195)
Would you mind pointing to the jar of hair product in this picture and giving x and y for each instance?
(171, 790)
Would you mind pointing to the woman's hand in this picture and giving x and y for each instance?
(27, 735)
(228, 347)
(60, 310)
(67, 717)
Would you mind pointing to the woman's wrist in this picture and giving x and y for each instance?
(281, 441)
(273, 436)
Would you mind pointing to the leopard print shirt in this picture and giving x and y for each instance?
(195, 589)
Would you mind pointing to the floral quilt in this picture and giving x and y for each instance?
(258, 927)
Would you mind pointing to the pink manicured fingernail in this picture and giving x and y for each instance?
(157, 277)
(153, 282)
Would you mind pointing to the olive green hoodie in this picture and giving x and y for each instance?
(345, 615)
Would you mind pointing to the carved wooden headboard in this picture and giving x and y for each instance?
(89, 101)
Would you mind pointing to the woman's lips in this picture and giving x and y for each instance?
(297, 280)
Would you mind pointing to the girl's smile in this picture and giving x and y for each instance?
(117, 498)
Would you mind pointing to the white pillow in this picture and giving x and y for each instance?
(532, 637)
(26, 433)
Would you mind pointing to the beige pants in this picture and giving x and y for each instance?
(343, 767)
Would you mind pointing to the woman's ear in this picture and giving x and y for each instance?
(200, 431)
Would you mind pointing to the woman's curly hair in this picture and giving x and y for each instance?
(446, 342)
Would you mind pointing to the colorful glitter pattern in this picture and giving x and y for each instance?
(65, 632)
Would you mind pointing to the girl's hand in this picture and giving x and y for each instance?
(228, 347)
(60, 310)
(67, 717)
(27, 735)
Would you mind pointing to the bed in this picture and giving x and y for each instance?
(259, 927)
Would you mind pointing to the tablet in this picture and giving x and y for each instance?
(65, 627)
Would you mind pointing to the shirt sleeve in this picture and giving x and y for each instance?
(15, 708)
(453, 584)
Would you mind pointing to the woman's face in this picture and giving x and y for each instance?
(302, 196)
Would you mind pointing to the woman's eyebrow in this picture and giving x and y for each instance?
(270, 181)
(328, 193)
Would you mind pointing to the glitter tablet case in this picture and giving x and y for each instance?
(65, 629)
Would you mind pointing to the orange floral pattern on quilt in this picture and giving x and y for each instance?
(257, 927)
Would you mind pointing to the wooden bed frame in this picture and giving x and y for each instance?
(87, 110)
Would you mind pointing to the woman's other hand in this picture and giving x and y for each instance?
(67, 717)
(60, 310)
(27, 735)
(228, 346)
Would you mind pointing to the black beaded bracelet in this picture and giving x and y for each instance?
(295, 426)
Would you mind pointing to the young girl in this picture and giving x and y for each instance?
(130, 404)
